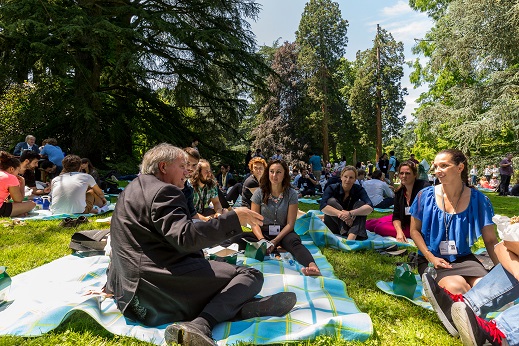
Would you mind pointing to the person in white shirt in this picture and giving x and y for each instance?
(74, 192)
(379, 192)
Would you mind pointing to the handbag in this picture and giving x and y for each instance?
(91, 240)
(404, 281)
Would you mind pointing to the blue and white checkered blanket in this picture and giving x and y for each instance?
(42, 298)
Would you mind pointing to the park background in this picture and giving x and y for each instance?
(110, 79)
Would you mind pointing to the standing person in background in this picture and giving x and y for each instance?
(474, 175)
(506, 171)
(370, 168)
(488, 173)
(29, 144)
(495, 171)
(53, 153)
(392, 167)
(316, 163)
(383, 164)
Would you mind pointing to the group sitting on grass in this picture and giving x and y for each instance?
(174, 209)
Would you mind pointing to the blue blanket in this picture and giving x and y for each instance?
(47, 215)
(43, 297)
(310, 224)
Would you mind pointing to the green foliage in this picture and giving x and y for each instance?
(100, 68)
(363, 95)
(473, 76)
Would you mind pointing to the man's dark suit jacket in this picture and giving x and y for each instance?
(156, 244)
(20, 147)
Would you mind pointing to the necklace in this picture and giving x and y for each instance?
(447, 221)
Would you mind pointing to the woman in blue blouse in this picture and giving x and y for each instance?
(447, 219)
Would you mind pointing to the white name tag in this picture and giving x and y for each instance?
(408, 210)
(448, 248)
(274, 229)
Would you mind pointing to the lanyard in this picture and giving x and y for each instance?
(447, 223)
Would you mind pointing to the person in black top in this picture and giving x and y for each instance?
(346, 206)
(306, 183)
(383, 164)
(257, 166)
(397, 224)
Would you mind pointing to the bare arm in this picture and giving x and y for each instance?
(400, 236)
(16, 194)
(97, 190)
(217, 205)
(255, 228)
(489, 237)
(507, 255)
(416, 235)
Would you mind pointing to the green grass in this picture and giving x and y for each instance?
(395, 321)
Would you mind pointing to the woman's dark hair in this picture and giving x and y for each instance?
(458, 157)
(197, 176)
(7, 160)
(266, 187)
(411, 165)
(90, 165)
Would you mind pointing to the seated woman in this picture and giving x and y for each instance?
(87, 167)
(397, 224)
(515, 189)
(494, 183)
(276, 201)
(250, 185)
(11, 184)
(205, 192)
(74, 192)
(447, 219)
(345, 206)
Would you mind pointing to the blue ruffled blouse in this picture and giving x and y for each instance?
(465, 227)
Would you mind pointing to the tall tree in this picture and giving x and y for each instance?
(472, 101)
(131, 73)
(379, 76)
(321, 36)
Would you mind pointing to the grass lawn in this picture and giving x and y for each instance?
(395, 321)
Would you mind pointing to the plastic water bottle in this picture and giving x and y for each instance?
(430, 270)
(287, 258)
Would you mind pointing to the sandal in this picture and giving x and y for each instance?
(82, 219)
(68, 222)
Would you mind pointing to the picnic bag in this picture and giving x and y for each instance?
(90, 240)
(404, 281)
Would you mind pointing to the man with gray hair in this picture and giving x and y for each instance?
(29, 144)
(158, 273)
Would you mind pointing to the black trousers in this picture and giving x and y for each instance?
(504, 185)
(338, 226)
(217, 289)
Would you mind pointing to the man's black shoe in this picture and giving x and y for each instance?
(278, 304)
(188, 334)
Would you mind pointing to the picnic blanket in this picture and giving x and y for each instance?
(308, 200)
(312, 225)
(45, 296)
(47, 214)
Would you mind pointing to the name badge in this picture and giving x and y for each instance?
(274, 229)
(448, 248)
(408, 210)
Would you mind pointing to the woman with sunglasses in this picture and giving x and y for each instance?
(277, 202)
(397, 225)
